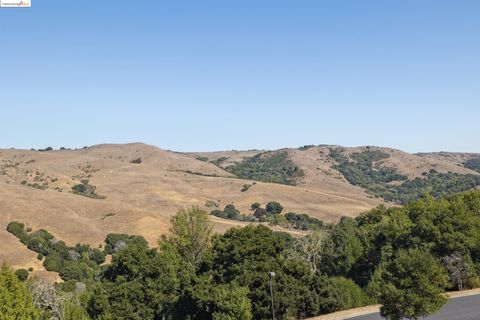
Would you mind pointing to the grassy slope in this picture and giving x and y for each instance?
(140, 198)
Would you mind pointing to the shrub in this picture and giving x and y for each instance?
(219, 161)
(274, 207)
(42, 234)
(16, 228)
(338, 293)
(137, 161)
(115, 242)
(377, 180)
(38, 245)
(231, 212)
(79, 188)
(87, 190)
(245, 187)
(275, 168)
(22, 274)
(303, 221)
(97, 256)
(53, 262)
(473, 164)
(260, 213)
(201, 158)
(255, 205)
(76, 271)
(306, 147)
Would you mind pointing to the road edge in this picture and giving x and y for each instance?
(350, 313)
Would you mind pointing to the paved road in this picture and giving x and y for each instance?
(466, 308)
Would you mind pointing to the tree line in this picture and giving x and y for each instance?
(402, 257)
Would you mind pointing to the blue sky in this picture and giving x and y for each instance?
(211, 75)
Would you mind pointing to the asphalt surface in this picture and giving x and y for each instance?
(465, 308)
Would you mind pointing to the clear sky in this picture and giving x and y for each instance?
(246, 74)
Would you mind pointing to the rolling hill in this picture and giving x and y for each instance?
(81, 195)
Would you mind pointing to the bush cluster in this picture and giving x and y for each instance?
(276, 168)
(86, 189)
(117, 241)
(272, 214)
(473, 164)
(79, 263)
(363, 171)
(409, 254)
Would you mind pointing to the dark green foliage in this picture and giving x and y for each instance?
(68, 286)
(207, 300)
(87, 190)
(363, 171)
(136, 161)
(275, 168)
(342, 248)
(272, 215)
(303, 221)
(219, 161)
(306, 147)
(22, 274)
(436, 184)
(231, 213)
(73, 311)
(246, 256)
(201, 158)
(473, 164)
(339, 293)
(79, 263)
(260, 214)
(53, 262)
(15, 299)
(246, 187)
(255, 205)
(73, 270)
(16, 228)
(411, 286)
(116, 242)
(38, 245)
(97, 256)
(387, 255)
(140, 283)
(274, 207)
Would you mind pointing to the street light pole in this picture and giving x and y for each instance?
(272, 274)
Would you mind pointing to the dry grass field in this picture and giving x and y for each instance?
(139, 198)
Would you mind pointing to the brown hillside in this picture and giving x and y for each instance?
(36, 188)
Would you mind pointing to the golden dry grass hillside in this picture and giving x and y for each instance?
(137, 188)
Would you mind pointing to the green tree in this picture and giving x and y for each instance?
(15, 299)
(71, 310)
(191, 233)
(219, 301)
(22, 274)
(230, 212)
(247, 255)
(140, 283)
(339, 293)
(274, 207)
(342, 248)
(412, 286)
